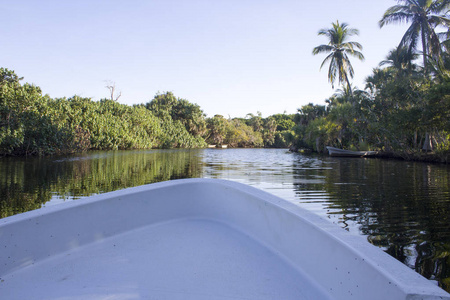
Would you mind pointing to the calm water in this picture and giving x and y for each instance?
(402, 207)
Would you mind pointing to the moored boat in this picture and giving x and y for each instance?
(217, 146)
(194, 239)
(349, 153)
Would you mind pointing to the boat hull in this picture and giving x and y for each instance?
(193, 239)
(348, 153)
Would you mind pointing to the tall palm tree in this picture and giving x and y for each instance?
(338, 49)
(424, 16)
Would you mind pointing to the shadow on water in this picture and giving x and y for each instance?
(401, 207)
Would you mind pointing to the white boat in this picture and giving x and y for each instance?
(349, 153)
(194, 239)
(218, 146)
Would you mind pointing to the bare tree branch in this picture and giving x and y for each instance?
(111, 86)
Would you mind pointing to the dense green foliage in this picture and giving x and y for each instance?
(403, 116)
(252, 131)
(35, 124)
(404, 110)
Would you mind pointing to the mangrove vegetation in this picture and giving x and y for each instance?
(403, 110)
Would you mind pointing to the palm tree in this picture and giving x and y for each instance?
(445, 40)
(378, 80)
(400, 61)
(310, 112)
(339, 48)
(345, 94)
(424, 16)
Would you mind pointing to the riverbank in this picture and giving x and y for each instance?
(430, 157)
(419, 156)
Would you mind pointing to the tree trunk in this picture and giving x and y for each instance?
(350, 92)
(415, 139)
(349, 87)
(427, 145)
(318, 145)
(424, 51)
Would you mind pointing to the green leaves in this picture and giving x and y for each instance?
(339, 64)
(424, 16)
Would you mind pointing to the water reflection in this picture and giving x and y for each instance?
(402, 207)
(26, 184)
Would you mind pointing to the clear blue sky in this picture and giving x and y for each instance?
(231, 57)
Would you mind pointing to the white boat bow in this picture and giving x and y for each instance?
(194, 239)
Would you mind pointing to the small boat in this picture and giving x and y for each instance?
(217, 146)
(348, 153)
(194, 239)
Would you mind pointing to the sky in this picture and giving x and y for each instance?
(231, 57)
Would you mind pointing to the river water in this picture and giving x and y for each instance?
(401, 207)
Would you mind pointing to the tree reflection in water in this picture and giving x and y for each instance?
(402, 207)
(28, 183)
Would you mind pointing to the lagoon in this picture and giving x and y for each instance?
(401, 207)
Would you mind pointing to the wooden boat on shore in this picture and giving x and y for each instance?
(349, 153)
(194, 239)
